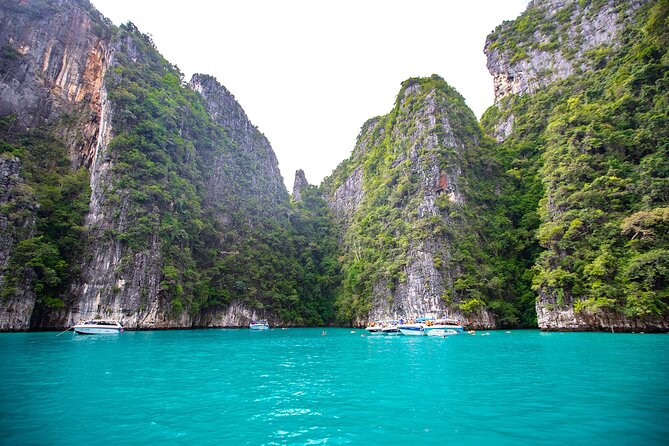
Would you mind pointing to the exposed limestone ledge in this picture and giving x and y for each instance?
(59, 63)
(299, 184)
(553, 317)
(347, 197)
(542, 63)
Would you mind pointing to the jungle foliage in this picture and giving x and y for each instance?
(170, 154)
(597, 144)
(472, 238)
(44, 215)
(573, 206)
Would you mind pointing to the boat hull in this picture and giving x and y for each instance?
(391, 331)
(451, 327)
(259, 327)
(258, 324)
(98, 327)
(96, 330)
(441, 332)
(411, 330)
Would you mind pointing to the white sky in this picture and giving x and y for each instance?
(309, 73)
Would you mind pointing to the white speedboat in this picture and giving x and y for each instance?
(98, 326)
(443, 324)
(259, 325)
(411, 329)
(441, 332)
(391, 329)
(374, 329)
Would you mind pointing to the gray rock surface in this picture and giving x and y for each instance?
(543, 64)
(415, 139)
(299, 184)
(551, 316)
(556, 49)
(55, 55)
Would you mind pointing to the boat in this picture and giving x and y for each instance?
(441, 332)
(259, 325)
(424, 325)
(443, 324)
(98, 326)
(383, 327)
(374, 328)
(415, 329)
(390, 328)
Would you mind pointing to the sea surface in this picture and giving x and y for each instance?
(299, 387)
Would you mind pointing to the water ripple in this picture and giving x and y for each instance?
(298, 387)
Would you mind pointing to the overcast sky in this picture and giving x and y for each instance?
(309, 73)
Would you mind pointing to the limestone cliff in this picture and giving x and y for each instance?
(266, 183)
(571, 78)
(54, 59)
(52, 67)
(170, 210)
(299, 184)
(550, 41)
(400, 200)
(144, 273)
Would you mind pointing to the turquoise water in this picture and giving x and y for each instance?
(298, 387)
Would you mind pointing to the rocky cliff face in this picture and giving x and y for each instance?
(54, 60)
(142, 282)
(563, 72)
(54, 57)
(397, 200)
(550, 41)
(181, 183)
(552, 317)
(345, 185)
(299, 184)
(266, 183)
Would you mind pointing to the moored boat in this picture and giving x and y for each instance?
(98, 326)
(415, 329)
(441, 332)
(259, 325)
(390, 328)
(444, 324)
(374, 328)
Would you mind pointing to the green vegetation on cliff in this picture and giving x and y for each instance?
(431, 183)
(598, 143)
(318, 253)
(181, 179)
(44, 215)
(185, 205)
(571, 208)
